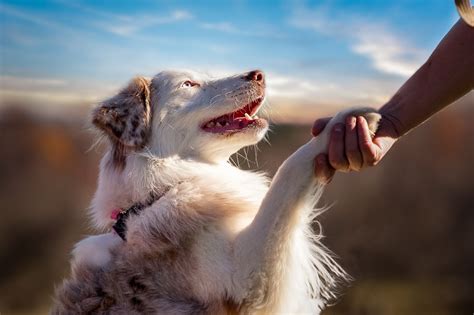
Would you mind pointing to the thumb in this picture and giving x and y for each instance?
(319, 125)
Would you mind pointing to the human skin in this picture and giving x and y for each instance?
(447, 75)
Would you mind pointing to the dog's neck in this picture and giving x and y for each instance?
(120, 226)
(141, 175)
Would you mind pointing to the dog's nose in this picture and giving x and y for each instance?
(256, 76)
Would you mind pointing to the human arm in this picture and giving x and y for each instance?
(447, 75)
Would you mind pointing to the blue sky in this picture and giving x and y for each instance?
(317, 55)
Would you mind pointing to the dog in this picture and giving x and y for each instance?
(186, 231)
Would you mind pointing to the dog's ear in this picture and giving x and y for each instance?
(126, 117)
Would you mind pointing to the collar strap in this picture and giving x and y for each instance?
(120, 226)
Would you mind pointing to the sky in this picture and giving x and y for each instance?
(318, 56)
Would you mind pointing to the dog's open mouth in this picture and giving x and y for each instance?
(235, 121)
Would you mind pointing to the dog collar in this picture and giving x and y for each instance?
(120, 226)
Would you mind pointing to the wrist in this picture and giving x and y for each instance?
(391, 113)
(390, 126)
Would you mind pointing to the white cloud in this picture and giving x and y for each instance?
(7, 81)
(25, 16)
(220, 49)
(122, 25)
(304, 90)
(52, 91)
(130, 25)
(387, 51)
(292, 87)
(178, 15)
(225, 27)
(127, 25)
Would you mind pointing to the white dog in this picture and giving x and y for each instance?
(194, 234)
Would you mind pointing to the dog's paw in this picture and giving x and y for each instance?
(95, 251)
(371, 116)
(321, 142)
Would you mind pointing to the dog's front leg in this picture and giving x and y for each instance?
(261, 248)
(95, 251)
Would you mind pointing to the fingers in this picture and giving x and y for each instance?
(351, 147)
(319, 125)
(336, 149)
(353, 153)
(371, 153)
(323, 170)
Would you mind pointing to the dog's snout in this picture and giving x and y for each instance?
(256, 76)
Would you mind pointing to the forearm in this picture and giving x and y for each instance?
(446, 76)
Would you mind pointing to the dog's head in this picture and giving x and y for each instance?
(184, 114)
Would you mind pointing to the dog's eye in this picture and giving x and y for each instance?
(188, 84)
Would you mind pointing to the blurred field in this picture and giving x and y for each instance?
(404, 230)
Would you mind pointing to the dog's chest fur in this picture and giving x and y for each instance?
(178, 253)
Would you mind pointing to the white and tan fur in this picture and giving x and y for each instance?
(220, 240)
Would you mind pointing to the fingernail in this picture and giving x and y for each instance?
(351, 120)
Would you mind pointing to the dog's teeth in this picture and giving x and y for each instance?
(248, 116)
(255, 117)
(210, 124)
(227, 123)
(218, 124)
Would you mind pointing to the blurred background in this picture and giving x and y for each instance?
(404, 230)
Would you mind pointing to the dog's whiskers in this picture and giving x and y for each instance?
(246, 156)
(232, 161)
(100, 139)
(255, 150)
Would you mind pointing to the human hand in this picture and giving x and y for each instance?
(351, 146)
